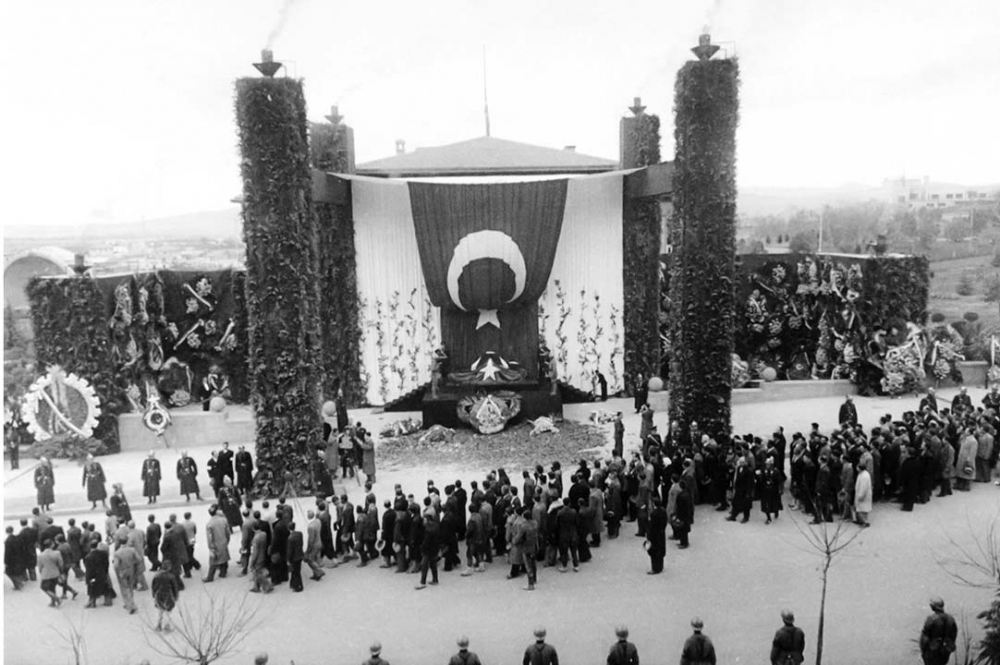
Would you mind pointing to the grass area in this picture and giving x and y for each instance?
(944, 298)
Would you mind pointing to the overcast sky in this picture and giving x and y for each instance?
(123, 110)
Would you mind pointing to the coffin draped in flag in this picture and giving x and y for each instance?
(486, 252)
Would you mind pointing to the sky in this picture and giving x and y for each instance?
(122, 110)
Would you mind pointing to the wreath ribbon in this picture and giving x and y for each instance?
(58, 414)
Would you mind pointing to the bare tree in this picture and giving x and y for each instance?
(75, 641)
(829, 541)
(206, 630)
(978, 566)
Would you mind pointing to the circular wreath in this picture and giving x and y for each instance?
(58, 402)
(156, 417)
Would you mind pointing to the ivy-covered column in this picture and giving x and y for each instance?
(640, 146)
(706, 104)
(71, 330)
(281, 278)
(338, 277)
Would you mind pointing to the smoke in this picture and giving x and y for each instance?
(286, 9)
(712, 15)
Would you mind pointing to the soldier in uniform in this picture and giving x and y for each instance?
(93, 480)
(187, 473)
(150, 478)
(937, 639)
(623, 652)
(789, 644)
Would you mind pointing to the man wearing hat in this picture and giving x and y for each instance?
(464, 656)
(698, 649)
(623, 652)
(376, 659)
(540, 653)
(961, 403)
(789, 643)
(937, 639)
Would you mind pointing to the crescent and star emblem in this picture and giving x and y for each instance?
(486, 245)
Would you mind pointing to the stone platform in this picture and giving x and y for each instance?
(774, 391)
(536, 400)
(190, 428)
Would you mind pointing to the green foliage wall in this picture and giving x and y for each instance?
(706, 104)
(71, 330)
(641, 225)
(282, 282)
(339, 307)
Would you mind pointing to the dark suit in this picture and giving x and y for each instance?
(278, 552)
(657, 535)
(295, 557)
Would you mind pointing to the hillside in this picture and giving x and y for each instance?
(204, 224)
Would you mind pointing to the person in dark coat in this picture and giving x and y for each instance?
(388, 527)
(929, 401)
(13, 560)
(214, 470)
(602, 381)
(174, 549)
(229, 503)
(93, 480)
(742, 491)
(97, 564)
(771, 482)
(910, 472)
(345, 531)
(28, 538)
(789, 644)
(640, 391)
(326, 534)
(150, 477)
(683, 515)
(566, 526)
(153, 534)
(187, 473)
(321, 474)
(296, 554)
(540, 653)
(656, 534)
(698, 649)
(278, 550)
(226, 462)
(74, 538)
(623, 652)
(45, 481)
(165, 591)
(937, 639)
(848, 412)
(619, 447)
(119, 505)
(430, 549)
(823, 492)
(244, 471)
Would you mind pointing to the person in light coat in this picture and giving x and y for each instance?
(218, 533)
(965, 464)
(862, 496)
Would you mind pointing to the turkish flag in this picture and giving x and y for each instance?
(486, 252)
(487, 247)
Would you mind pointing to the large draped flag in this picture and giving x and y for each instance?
(486, 252)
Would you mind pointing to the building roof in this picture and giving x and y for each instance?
(485, 155)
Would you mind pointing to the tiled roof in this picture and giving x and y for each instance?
(485, 156)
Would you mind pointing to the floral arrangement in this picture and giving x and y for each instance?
(741, 372)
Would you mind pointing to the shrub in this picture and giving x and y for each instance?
(965, 285)
(971, 316)
(67, 446)
(937, 317)
(991, 289)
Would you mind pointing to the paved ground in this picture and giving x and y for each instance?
(735, 577)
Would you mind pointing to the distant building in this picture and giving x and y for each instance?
(924, 193)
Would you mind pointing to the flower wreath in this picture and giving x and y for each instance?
(57, 402)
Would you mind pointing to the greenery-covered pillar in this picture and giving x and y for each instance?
(706, 104)
(640, 146)
(330, 152)
(282, 292)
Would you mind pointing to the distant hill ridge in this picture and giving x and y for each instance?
(204, 224)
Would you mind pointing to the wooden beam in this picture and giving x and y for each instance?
(655, 180)
(328, 188)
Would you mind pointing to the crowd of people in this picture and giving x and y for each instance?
(529, 523)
